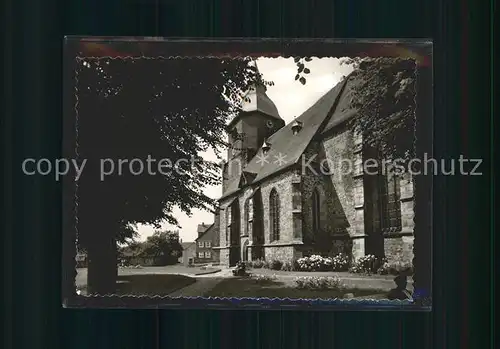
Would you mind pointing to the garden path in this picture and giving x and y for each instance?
(202, 285)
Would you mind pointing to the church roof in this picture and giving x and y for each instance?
(343, 111)
(329, 111)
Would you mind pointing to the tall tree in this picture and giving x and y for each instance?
(163, 247)
(161, 113)
(385, 99)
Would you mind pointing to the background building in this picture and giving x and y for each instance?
(188, 253)
(207, 242)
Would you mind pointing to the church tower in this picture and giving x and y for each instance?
(247, 131)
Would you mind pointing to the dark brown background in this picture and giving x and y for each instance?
(33, 210)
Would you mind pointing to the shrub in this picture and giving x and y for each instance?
(275, 264)
(319, 283)
(395, 268)
(263, 279)
(368, 264)
(248, 264)
(240, 269)
(339, 262)
(287, 266)
(312, 263)
(384, 269)
(138, 266)
(258, 263)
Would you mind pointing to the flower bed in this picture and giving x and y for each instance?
(263, 279)
(368, 264)
(395, 268)
(320, 283)
(339, 262)
(273, 264)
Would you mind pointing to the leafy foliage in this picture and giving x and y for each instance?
(396, 267)
(368, 264)
(289, 266)
(127, 234)
(275, 264)
(240, 269)
(264, 280)
(384, 97)
(163, 247)
(258, 263)
(320, 283)
(339, 262)
(151, 109)
(302, 70)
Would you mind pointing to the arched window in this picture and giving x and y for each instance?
(316, 211)
(274, 215)
(394, 203)
(228, 224)
(247, 216)
(390, 207)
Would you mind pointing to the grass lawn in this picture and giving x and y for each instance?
(247, 287)
(151, 284)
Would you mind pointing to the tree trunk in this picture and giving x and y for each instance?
(102, 265)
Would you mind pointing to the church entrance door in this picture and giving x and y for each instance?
(244, 257)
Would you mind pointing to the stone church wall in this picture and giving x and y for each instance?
(223, 222)
(223, 249)
(224, 256)
(290, 242)
(338, 149)
(283, 185)
(330, 239)
(281, 253)
(344, 185)
(283, 249)
(399, 249)
(342, 199)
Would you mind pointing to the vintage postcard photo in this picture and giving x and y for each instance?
(242, 173)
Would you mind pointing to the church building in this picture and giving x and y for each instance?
(296, 189)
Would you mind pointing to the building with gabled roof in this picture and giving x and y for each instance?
(285, 194)
(208, 241)
(188, 253)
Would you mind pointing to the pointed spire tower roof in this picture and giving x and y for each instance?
(257, 100)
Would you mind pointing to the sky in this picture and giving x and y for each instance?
(290, 97)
